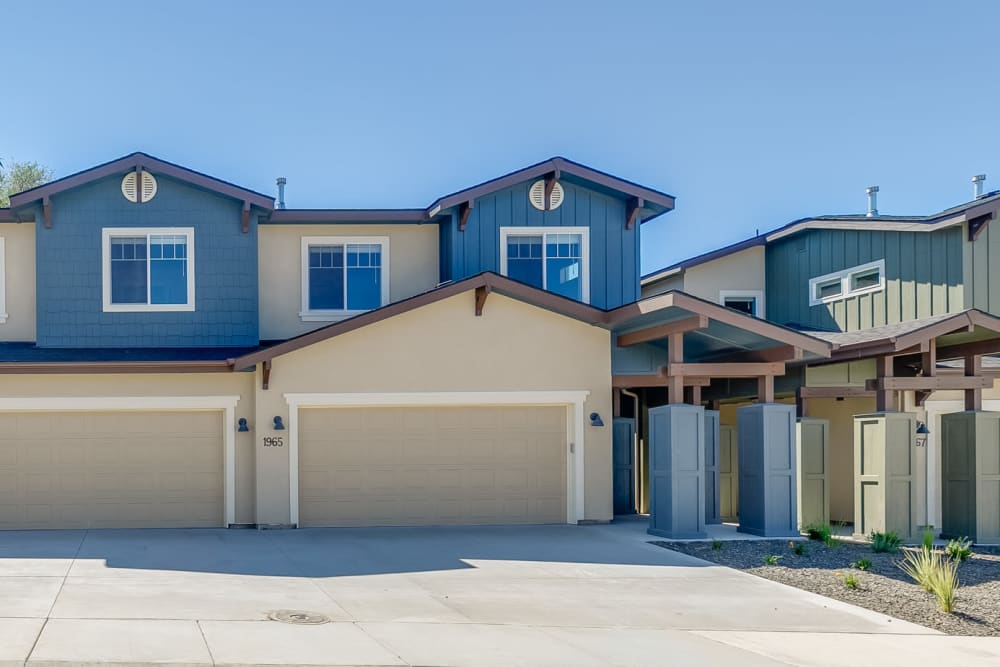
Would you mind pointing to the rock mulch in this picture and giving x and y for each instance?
(883, 588)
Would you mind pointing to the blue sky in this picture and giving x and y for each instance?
(751, 113)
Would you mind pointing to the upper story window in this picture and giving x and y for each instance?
(839, 285)
(148, 269)
(551, 258)
(343, 276)
(750, 302)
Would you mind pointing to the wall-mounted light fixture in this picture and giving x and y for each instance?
(922, 432)
(241, 425)
(595, 419)
(278, 424)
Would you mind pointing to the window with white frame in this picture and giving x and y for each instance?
(556, 259)
(857, 280)
(148, 269)
(750, 302)
(343, 276)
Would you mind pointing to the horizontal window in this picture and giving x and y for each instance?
(750, 302)
(550, 258)
(343, 276)
(855, 281)
(148, 269)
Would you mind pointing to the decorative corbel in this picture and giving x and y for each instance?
(265, 373)
(463, 214)
(632, 211)
(138, 184)
(977, 225)
(47, 212)
(246, 217)
(482, 292)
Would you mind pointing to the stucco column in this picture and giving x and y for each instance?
(767, 470)
(271, 449)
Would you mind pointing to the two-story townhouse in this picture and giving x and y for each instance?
(180, 351)
(906, 303)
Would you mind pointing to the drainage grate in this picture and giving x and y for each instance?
(296, 617)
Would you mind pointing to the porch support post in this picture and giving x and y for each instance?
(675, 383)
(765, 389)
(973, 397)
(885, 399)
(767, 470)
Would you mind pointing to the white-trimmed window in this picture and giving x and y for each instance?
(148, 269)
(556, 259)
(839, 285)
(750, 302)
(343, 276)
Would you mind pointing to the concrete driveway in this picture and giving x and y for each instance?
(545, 595)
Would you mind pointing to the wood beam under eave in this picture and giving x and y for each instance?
(936, 383)
(482, 292)
(463, 214)
(550, 185)
(633, 381)
(728, 370)
(47, 212)
(245, 227)
(782, 353)
(632, 211)
(836, 392)
(977, 225)
(962, 350)
(663, 330)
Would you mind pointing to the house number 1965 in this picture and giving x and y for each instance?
(274, 442)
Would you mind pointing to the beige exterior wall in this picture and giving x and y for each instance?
(19, 281)
(413, 268)
(674, 282)
(444, 347)
(841, 477)
(740, 271)
(159, 385)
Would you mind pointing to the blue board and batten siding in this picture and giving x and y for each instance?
(613, 251)
(923, 277)
(69, 280)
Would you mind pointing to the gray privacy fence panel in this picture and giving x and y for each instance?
(677, 471)
(885, 461)
(623, 457)
(712, 509)
(970, 476)
(729, 474)
(812, 448)
(768, 470)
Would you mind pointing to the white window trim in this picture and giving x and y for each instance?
(845, 283)
(584, 233)
(3, 280)
(308, 315)
(575, 428)
(758, 295)
(109, 232)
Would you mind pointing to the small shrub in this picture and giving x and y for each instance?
(928, 539)
(852, 581)
(798, 548)
(959, 550)
(920, 566)
(885, 543)
(944, 583)
(821, 532)
(771, 559)
(862, 564)
(716, 545)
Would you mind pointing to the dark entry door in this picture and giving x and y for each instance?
(623, 455)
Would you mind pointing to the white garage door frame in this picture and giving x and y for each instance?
(227, 404)
(572, 400)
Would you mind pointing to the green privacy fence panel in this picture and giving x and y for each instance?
(729, 474)
(885, 493)
(812, 447)
(970, 476)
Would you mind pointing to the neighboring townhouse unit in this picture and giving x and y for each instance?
(908, 304)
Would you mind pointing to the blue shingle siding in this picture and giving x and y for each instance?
(614, 251)
(69, 272)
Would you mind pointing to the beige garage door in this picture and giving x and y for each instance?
(433, 465)
(111, 469)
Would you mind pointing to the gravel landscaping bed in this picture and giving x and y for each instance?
(883, 588)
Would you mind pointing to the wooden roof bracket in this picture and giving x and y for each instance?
(978, 224)
(245, 227)
(632, 211)
(550, 184)
(265, 374)
(47, 212)
(482, 292)
(463, 214)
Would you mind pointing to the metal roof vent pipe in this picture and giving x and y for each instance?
(977, 185)
(872, 192)
(281, 191)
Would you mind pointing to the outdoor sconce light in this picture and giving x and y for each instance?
(595, 419)
(242, 425)
(278, 424)
(922, 432)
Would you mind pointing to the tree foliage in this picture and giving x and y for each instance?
(21, 176)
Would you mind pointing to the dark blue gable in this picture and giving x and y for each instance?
(69, 271)
(614, 251)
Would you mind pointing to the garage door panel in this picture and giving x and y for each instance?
(112, 470)
(432, 465)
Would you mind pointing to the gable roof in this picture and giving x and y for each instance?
(149, 163)
(986, 206)
(654, 201)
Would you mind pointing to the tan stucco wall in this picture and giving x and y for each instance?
(164, 384)
(445, 347)
(841, 474)
(413, 268)
(674, 282)
(743, 271)
(19, 277)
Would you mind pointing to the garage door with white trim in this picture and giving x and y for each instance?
(111, 469)
(432, 465)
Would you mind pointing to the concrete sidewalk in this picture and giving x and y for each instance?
(539, 595)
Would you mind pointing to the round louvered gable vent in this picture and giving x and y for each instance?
(536, 195)
(148, 186)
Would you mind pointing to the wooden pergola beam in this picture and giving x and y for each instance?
(780, 353)
(659, 380)
(727, 370)
(935, 383)
(836, 392)
(663, 330)
(963, 350)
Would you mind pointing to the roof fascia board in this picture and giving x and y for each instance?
(75, 367)
(291, 216)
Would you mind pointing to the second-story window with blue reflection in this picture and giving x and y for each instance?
(148, 269)
(554, 259)
(342, 278)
